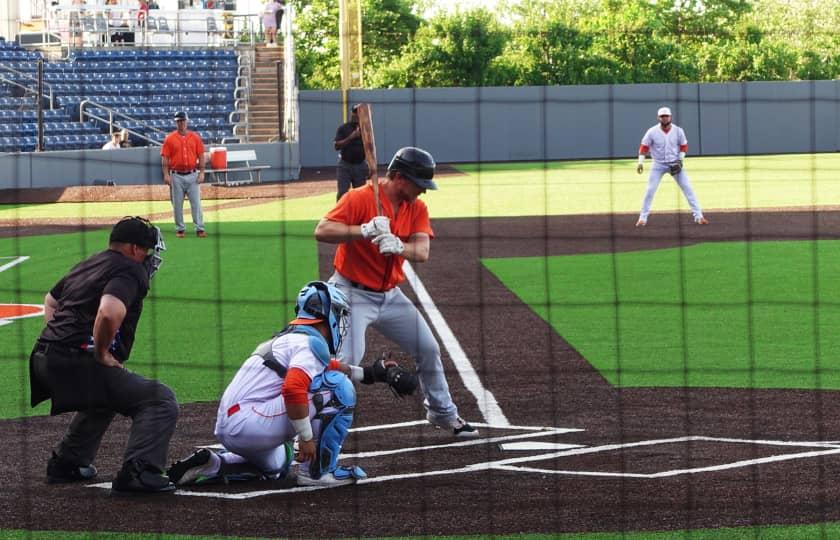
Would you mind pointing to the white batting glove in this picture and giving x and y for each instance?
(376, 227)
(389, 244)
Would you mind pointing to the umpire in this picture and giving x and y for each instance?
(91, 319)
(352, 167)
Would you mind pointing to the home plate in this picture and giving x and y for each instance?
(535, 445)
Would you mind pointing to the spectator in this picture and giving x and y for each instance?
(270, 22)
(114, 143)
(182, 161)
(125, 139)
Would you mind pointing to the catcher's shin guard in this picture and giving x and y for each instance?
(336, 417)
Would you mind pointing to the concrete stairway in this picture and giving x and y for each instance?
(265, 115)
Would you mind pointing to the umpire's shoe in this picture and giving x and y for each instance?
(201, 467)
(137, 477)
(62, 471)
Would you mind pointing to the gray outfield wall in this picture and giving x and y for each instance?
(580, 122)
(126, 166)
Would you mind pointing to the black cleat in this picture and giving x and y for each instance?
(138, 478)
(61, 471)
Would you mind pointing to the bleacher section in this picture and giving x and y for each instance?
(148, 85)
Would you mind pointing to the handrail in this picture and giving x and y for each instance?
(26, 88)
(290, 87)
(111, 113)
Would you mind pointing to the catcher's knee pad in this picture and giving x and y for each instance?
(335, 411)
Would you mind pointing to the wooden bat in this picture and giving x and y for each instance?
(365, 114)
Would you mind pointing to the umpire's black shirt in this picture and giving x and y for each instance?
(78, 295)
(354, 151)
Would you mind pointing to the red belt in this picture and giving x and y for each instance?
(233, 410)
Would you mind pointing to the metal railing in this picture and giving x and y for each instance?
(291, 111)
(179, 28)
(242, 96)
(84, 114)
(26, 89)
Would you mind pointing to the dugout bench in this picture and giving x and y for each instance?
(238, 161)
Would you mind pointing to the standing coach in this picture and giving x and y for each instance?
(91, 319)
(182, 161)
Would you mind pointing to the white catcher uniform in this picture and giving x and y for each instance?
(251, 420)
(294, 367)
(666, 147)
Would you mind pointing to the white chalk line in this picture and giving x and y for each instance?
(487, 403)
(511, 465)
(14, 262)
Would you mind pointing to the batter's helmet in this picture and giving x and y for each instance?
(415, 164)
(319, 301)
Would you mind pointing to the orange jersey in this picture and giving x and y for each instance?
(182, 151)
(359, 260)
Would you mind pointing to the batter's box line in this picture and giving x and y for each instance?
(533, 432)
(832, 448)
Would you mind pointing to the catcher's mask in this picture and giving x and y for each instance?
(415, 164)
(319, 301)
(140, 231)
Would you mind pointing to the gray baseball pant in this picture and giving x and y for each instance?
(186, 184)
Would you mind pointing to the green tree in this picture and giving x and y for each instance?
(452, 49)
(387, 26)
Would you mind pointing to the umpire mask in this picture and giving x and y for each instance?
(154, 260)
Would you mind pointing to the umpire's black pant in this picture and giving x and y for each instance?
(75, 381)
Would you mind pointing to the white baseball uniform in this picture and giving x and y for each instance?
(251, 420)
(665, 148)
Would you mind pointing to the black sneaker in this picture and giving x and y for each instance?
(191, 470)
(463, 429)
(136, 478)
(61, 471)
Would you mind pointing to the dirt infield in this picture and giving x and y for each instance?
(645, 459)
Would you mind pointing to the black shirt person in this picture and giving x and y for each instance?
(91, 318)
(352, 167)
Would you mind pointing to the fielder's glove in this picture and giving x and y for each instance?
(675, 168)
(389, 244)
(379, 225)
(401, 381)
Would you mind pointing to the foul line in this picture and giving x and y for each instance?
(487, 403)
(16, 261)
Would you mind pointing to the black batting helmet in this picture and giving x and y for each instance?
(415, 164)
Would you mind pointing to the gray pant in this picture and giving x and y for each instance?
(76, 382)
(186, 184)
(355, 174)
(393, 314)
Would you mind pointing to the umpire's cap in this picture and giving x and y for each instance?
(415, 164)
(135, 230)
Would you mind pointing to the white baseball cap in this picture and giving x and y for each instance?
(663, 111)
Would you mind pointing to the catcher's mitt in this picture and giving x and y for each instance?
(401, 381)
(675, 168)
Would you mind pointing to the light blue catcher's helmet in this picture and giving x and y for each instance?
(321, 301)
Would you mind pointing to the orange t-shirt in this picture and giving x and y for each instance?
(182, 151)
(359, 260)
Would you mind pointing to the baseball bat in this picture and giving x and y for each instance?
(366, 127)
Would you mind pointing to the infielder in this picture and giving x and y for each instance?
(667, 145)
(369, 266)
(291, 387)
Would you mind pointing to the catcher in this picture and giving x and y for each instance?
(667, 145)
(290, 387)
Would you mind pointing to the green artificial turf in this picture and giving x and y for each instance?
(741, 315)
(212, 302)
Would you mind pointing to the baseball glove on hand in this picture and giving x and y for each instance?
(675, 168)
(401, 381)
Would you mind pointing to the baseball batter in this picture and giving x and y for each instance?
(368, 268)
(290, 387)
(667, 145)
